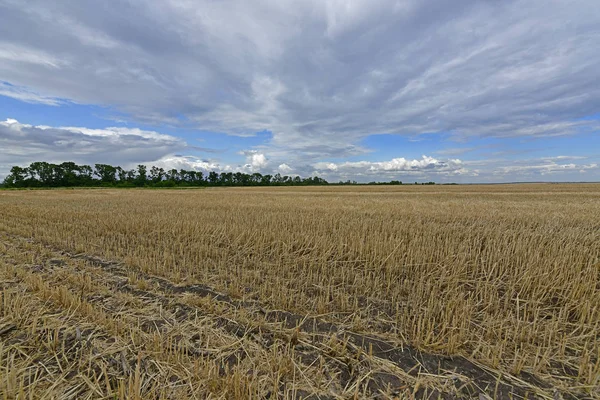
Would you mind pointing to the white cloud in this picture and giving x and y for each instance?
(23, 143)
(426, 168)
(255, 161)
(188, 163)
(545, 168)
(284, 169)
(395, 168)
(14, 54)
(563, 158)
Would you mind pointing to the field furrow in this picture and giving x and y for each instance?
(179, 319)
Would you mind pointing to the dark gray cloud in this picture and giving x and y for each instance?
(320, 75)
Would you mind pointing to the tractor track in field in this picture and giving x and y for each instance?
(371, 364)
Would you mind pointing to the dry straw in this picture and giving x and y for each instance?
(292, 292)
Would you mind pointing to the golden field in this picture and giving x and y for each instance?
(324, 292)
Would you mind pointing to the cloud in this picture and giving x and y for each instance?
(563, 158)
(255, 161)
(27, 95)
(23, 143)
(363, 171)
(320, 75)
(545, 167)
(284, 169)
(189, 163)
(426, 167)
(456, 151)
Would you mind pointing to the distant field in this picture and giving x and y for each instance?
(324, 292)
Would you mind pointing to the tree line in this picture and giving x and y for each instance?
(69, 174)
(42, 174)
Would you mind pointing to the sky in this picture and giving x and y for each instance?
(461, 91)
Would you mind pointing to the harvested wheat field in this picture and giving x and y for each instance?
(315, 293)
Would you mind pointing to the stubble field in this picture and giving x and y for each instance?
(332, 293)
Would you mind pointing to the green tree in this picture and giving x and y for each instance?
(156, 174)
(17, 177)
(106, 173)
(70, 174)
(142, 177)
(266, 180)
(213, 178)
(226, 178)
(173, 175)
(42, 172)
(198, 178)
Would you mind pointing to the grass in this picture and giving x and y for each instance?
(343, 292)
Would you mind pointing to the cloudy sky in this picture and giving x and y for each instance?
(416, 90)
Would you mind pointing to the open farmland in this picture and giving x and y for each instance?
(333, 292)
